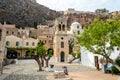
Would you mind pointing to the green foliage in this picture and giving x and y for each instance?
(19, 48)
(77, 55)
(40, 49)
(117, 61)
(115, 70)
(50, 53)
(98, 34)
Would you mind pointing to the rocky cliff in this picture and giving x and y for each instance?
(25, 13)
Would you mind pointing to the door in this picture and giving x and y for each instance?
(62, 55)
(96, 60)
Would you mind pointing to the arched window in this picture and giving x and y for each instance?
(63, 27)
(33, 44)
(59, 27)
(62, 44)
(17, 43)
(7, 43)
(0, 34)
(27, 43)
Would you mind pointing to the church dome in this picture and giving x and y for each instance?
(76, 25)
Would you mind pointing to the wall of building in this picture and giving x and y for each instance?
(2, 46)
(87, 58)
(61, 52)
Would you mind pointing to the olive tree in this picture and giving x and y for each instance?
(40, 51)
(101, 37)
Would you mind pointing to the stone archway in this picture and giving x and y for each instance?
(62, 57)
(11, 54)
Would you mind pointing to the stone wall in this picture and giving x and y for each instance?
(2, 45)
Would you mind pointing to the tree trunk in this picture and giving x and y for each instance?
(72, 60)
(42, 61)
(118, 67)
(46, 61)
(39, 63)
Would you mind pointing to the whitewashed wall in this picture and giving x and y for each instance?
(87, 58)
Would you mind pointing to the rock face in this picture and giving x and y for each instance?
(25, 13)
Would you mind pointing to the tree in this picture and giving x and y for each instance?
(71, 45)
(40, 52)
(43, 54)
(101, 37)
(48, 55)
(75, 56)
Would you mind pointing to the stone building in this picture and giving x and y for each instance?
(16, 42)
(61, 47)
(75, 29)
(2, 46)
(11, 30)
(46, 35)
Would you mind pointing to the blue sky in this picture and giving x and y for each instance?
(81, 5)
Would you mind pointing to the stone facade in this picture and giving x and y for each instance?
(2, 45)
(11, 30)
(61, 47)
(16, 42)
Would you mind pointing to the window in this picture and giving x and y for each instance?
(27, 43)
(45, 41)
(33, 44)
(77, 26)
(59, 27)
(63, 27)
(78, 32)
(62, 38)
(82, 27)
(62, 44)
(12, 32)
(0, 34)
(17, 43)
(7, 43)
(30, 31)
(7, 32)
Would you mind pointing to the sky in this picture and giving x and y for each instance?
(81, 5)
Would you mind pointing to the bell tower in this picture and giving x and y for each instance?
(61, 47)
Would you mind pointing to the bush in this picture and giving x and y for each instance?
(115, 70)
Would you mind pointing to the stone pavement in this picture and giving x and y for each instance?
(92, 75)
(26, 72)
(80, 72)
(76, 71)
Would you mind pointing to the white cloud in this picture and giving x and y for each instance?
(81, 5)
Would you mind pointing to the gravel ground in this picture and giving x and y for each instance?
(29, 71)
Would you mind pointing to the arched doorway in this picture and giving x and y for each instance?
(50, 51)
(11, 54)
(62, 56)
